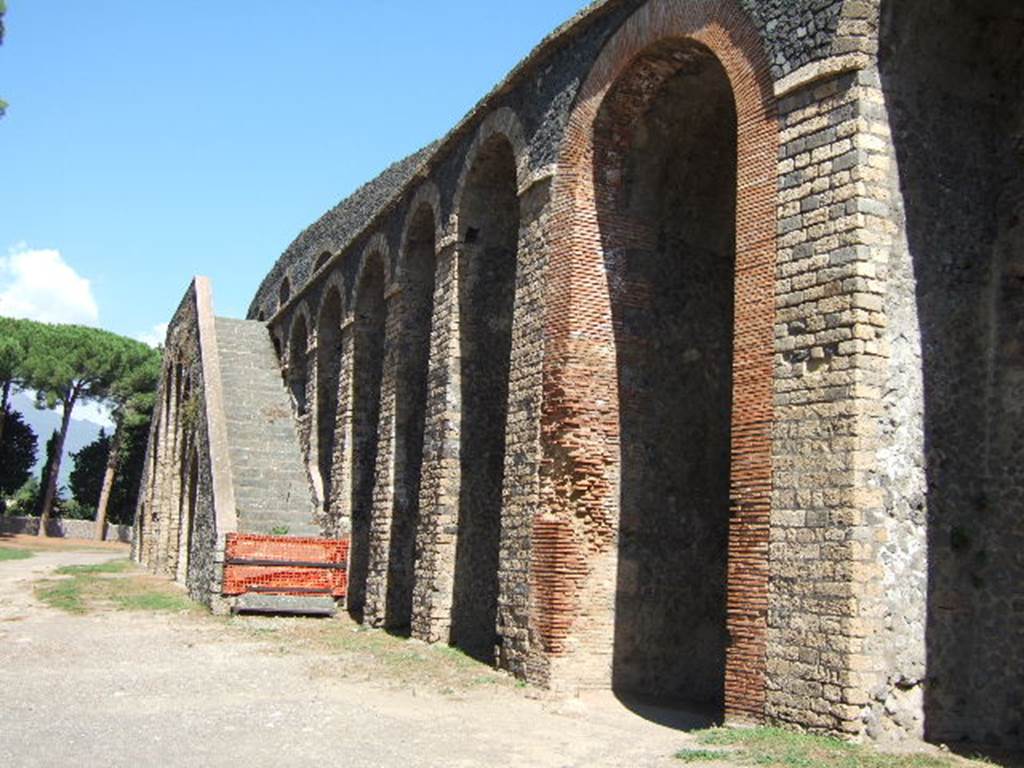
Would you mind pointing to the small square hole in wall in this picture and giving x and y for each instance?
(472, 235)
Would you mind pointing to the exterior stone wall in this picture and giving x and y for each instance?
(949, 88)
(175, 524)
(711, 354)
(64, 529)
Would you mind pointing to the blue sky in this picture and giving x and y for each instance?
(149, 141)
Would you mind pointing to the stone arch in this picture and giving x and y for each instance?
(426, 196)
(487, 218)
(328, 380)
(577, 538)
(284, 291)
(321, 261)
(417, 278)
(298, 359)
(368, 328)
(182, 448)
(503, 123)
(375, 253)
(190, 494)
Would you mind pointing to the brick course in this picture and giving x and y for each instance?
(837, 507)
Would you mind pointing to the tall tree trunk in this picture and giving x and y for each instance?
(51, 484)
(113, 460)
(3, 408)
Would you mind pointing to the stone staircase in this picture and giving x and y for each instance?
(272, 493)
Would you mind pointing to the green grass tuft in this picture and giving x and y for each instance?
(114, 566)
(155, 602)
(699, 755)
(780, 748)
(118, 584)
(63, 595)
(14, 554)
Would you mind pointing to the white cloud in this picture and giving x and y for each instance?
(40, 285)
(155, 336)
(93, 411)
(97, 413)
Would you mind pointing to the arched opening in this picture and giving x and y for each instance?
(488, 242)
(411, 408)
(321, 261)
(298, 352)
(666, 136)
(953, 78)
(328, 371)
(169, 385)
(284, 292)
(368, 370)
(189, 523)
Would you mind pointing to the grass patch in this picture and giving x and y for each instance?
(699, 755)
(117, 584)
(359, 652)
(779, 748)
(114, 566)
(14, 554)
(153, 601)
(63, 595)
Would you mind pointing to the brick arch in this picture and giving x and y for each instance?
(502, 122)
(416, 273)
(376, 248)
(289, 355)
(486, 228)
(327, 366)
(336, 282)
(301, 311)
(426, 196)
(576, 531)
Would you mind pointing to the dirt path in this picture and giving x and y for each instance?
(130, 689)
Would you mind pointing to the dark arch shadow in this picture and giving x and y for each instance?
(488, 244)
(298, 350)
(410, 415)
(367, 375)
(953, 75)
(669, 237)
(328, 372)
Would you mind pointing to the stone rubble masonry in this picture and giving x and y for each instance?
(270, 482)
(64, 529)
(218, 466)
(831, 532)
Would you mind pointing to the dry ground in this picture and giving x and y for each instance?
(154, 682)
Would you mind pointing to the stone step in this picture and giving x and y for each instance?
(272, 490)
(285, 605)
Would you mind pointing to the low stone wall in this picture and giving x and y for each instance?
(64, 529)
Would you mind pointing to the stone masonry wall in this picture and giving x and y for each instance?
(173, 483)
(67, 529)
(868, 489)
(949, 87)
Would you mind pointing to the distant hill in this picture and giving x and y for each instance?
(43, 423)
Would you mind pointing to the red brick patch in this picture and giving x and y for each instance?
(580, 424)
